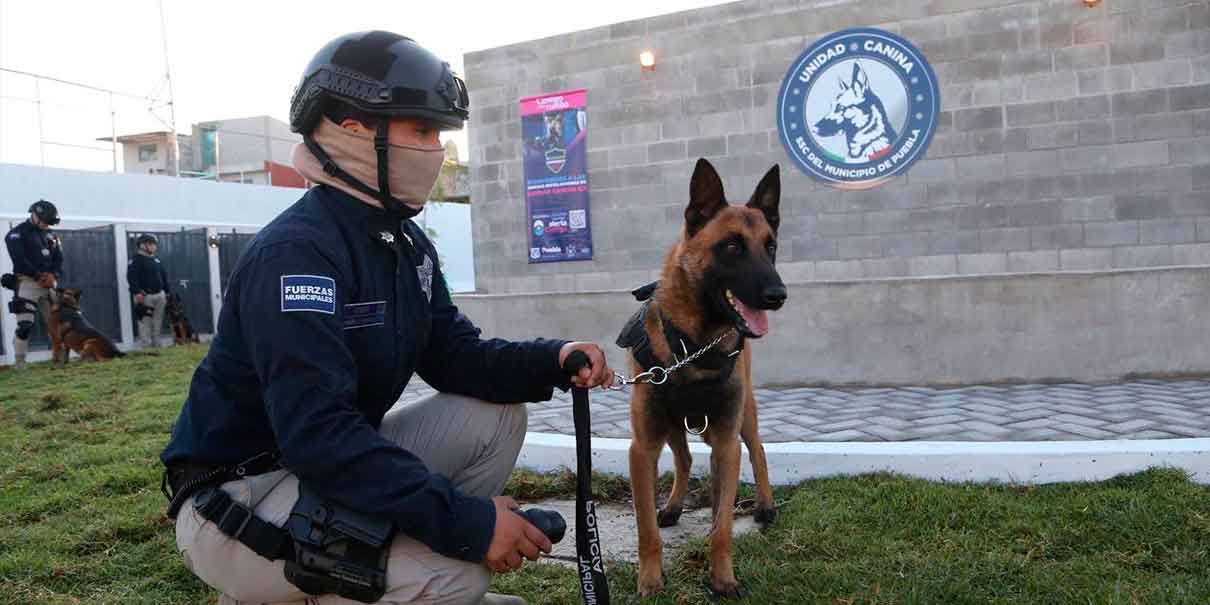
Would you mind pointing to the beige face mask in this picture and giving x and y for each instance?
(412, 171)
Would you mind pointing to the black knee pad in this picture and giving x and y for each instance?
(20, 305)
(24, 329)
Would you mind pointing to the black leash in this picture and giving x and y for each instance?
(594, 586)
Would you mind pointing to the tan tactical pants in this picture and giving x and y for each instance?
(29, 290)
(149, 327)
(472, 442)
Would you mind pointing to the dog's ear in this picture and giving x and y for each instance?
(705, 197)
(767, 197)
(860, 80)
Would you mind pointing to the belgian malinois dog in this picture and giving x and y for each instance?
(717, 281)
(75, 332)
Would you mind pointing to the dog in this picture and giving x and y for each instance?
(74, 331)
(859, 115)
(718, 282)
(182, 330)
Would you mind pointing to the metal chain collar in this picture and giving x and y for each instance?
(659, 375)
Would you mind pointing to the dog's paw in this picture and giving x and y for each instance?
(668, 516)
(726, 591)
(651, 586)
(765, 516)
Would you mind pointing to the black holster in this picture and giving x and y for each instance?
(8, 280)
(337, 550)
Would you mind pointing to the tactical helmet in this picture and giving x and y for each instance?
(45, 211)
(147, 237)
(384, 75)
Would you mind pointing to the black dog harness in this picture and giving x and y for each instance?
(678, 398)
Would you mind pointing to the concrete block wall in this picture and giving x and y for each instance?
(1070, 139)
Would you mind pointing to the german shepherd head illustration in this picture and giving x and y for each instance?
(858, 113)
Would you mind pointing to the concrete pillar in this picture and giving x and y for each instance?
(216, 284)
(125, 312)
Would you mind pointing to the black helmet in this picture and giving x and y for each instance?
(382, 74)
(146, 237)
(45, 211)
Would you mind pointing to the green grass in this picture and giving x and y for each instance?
(81, 520)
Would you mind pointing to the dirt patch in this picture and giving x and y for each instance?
(620, 534)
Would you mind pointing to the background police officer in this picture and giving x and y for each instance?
(148, 283)
(38, 264)
(329, 312)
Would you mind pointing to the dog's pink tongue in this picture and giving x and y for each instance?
(757, 319)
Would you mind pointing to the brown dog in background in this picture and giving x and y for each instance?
(182, 330)
(717, 281)
(74, 332)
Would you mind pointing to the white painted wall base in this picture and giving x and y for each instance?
(1021, 462)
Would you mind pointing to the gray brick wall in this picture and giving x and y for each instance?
(1071, 139)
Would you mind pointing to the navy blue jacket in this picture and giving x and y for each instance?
(34, 251)
(146, 274)
(328, 313)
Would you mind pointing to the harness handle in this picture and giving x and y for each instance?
(594, 586)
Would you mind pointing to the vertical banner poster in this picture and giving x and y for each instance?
(553, 129)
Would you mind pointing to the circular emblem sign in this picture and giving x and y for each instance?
(858, 107)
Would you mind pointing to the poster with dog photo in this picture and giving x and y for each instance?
(553, 129)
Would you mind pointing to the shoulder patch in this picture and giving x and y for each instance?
(14, 235)
(315, 293)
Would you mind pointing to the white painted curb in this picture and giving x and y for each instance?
(1001, 461)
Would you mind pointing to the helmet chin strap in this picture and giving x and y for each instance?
(390, 204)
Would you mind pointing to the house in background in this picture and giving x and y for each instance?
(254, 151)
(154, 153)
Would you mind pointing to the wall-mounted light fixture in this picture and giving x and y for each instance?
(1091, 3)
(647, 60)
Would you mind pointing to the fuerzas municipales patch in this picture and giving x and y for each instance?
(858, 107)
(308, 293)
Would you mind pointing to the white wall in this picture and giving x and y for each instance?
(140, 202)
(101, 197)
(451, 224)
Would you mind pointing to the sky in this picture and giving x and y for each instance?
(228, 59)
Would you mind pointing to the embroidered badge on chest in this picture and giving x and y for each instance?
(424, 272)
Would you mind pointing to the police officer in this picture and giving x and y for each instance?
(148, 283)
(329, 313)
(38, 264)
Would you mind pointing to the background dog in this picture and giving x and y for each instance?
(719, 279)
(74, 332)
(182, 330)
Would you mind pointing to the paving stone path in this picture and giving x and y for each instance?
(1142, 409)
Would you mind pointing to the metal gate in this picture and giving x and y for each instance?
(231, 246)
(186, 261)
(88, 264)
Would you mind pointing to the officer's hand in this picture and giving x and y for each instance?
(514, 538)
(597, 374)
(46, 280)
(138, 298)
